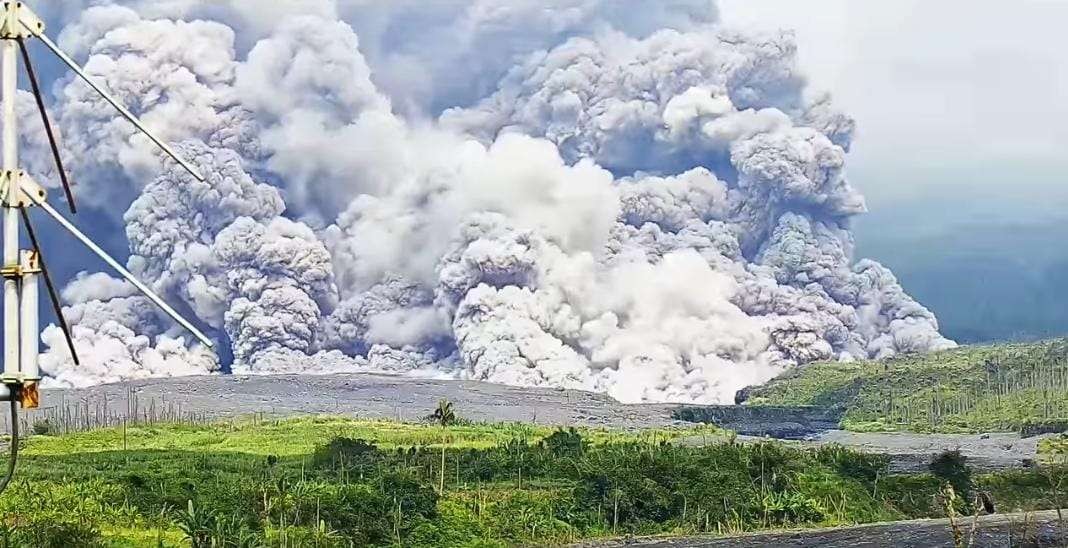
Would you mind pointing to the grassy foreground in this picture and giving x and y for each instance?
(328, 481)
(1022, 387)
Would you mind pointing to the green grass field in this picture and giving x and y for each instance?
(329, 481)
(1001, 387)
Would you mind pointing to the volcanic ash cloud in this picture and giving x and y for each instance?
(656, 208)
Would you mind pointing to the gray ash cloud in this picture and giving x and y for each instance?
(656, 207)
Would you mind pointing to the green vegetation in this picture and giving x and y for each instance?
(1021, 387)
(328, 481)
(443, 414)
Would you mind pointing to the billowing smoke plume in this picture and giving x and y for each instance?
(598, 194)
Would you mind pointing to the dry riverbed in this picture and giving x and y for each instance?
(1039, 529)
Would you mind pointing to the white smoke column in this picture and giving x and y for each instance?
(173, 224)
(735, 105)
(118, 336)
(529, 313)
(326, 129)
(280, 279)
(174, 75)
(222, 247)
(617, 196)
(675, 334)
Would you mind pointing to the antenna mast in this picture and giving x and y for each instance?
(21, 268)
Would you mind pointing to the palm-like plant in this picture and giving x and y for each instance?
(444, 415)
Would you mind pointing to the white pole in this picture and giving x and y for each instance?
(9, 83)
(28, 324)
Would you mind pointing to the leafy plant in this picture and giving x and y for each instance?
(42, 427)
(53, 533)
(197, 525)
(320, 481)
(564, 443)
(951, 467)
(346, 454)
(444, 414)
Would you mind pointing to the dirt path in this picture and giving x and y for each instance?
(1008, 530)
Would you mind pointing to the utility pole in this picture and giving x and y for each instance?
(22, 268)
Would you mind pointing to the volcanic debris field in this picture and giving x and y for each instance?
(360, 460)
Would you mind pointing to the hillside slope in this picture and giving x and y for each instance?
(970, 389)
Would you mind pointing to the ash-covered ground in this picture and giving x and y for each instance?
(1037, 529)
(406, 399)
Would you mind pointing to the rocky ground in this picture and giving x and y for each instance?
(1038, 529)
(911, 452)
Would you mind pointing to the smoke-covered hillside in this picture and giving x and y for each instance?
(620, 196)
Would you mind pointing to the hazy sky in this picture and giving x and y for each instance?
(945, 93)
(961, 150)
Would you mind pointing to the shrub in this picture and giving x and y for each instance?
(415, 497)
(196, 524)
(42, 427)
(52, 534)
(319, 536)
(791, 508)
(912, 495)
(564, 443)
(1036, 427)
(346, 454)
(456, 525)
(358, 512)
(951, 467)
(866, 467)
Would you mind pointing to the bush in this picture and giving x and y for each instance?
(413, 496)
(346, 454)
(564, 443)
(196, 524)
(912, 495)
(951, 467)
(358, 512)
(319, 536)
(571, 489)
(42, 427)
(456, 525)
(791, 508)
(866, 467)
(52, 532)
(1037, 427)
